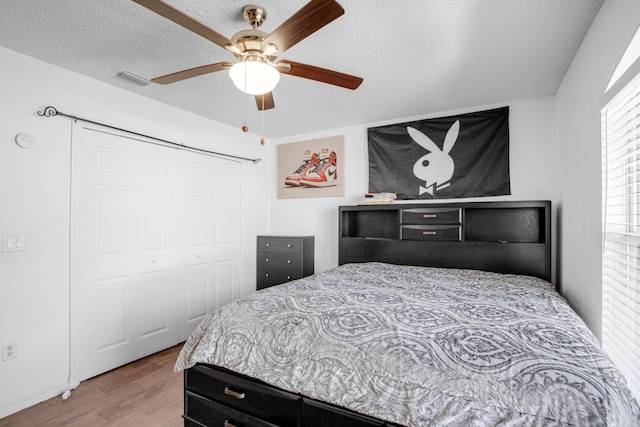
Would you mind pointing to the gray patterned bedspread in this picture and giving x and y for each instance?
(421, 346)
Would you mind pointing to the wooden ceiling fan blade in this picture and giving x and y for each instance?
(192, 72)
(313, 16)
(322, 75)
(191, 24)
(265, 102)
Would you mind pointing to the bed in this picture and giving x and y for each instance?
(436, 315)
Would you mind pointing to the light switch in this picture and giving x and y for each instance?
(13, 243)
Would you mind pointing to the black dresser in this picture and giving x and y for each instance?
(283, 258)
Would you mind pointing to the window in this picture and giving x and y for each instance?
(621, 231)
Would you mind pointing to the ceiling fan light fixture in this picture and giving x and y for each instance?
(254, 77)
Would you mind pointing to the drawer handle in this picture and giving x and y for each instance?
(228, 424)
(429, 216)
(235, 394)
(430, 233)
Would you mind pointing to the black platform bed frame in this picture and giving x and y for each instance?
(505, 237)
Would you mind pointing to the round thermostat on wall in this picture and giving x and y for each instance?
(25, 140)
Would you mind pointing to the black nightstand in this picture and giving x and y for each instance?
(283, 258)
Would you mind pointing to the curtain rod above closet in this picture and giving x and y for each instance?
(52, 111)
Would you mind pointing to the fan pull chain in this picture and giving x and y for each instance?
(262, 117)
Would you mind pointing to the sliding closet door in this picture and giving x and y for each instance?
(145, 255)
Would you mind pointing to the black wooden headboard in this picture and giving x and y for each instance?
(503, 237)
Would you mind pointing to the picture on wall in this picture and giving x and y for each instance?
(313, 168)
(460, 156)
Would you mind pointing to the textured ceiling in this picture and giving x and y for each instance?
(416, 56)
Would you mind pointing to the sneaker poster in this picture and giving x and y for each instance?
(313, 168)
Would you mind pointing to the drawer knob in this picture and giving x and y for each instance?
(430, 233)
(235, 394)
(266, 244)
(266, 274)
(289, 245)
(429, 216)
(288, 261)
(288, 277)
(228, 424)
(266, 260)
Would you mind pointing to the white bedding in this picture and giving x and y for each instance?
(421, 346)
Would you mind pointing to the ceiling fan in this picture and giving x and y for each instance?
(256, 73)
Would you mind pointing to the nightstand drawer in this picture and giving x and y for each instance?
(279, 244)
(275, 276)
(431, 232)
(259, 400)
(431, 216)
(272, 260)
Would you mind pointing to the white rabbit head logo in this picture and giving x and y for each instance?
(435, 168)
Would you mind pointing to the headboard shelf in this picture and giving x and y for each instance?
(505, 237)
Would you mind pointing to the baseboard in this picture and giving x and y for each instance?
(32, 399)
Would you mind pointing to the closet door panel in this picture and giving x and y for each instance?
(106, 282)
(197, 247)
(227, 207)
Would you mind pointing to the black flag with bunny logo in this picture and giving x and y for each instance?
(460, 156)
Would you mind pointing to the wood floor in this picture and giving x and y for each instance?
(144, 393)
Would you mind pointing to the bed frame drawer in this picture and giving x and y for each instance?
(257, 399)
(319, 414)
(204, 412)
(431, 216)
(431, 232)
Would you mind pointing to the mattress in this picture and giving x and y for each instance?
(421, 346)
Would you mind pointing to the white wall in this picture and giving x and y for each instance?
(533, 174)
(34, 187)
(579, 155)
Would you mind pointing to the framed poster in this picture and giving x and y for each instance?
(313, 168)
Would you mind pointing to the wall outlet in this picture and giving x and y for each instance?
(9, 350)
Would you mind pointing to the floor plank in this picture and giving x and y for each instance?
(143, 393)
